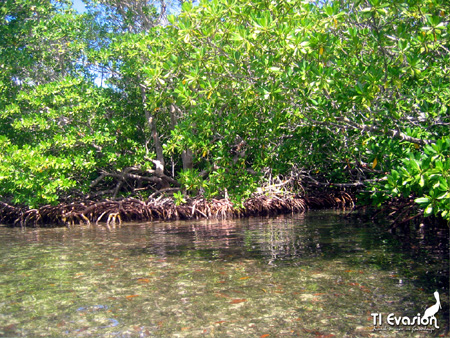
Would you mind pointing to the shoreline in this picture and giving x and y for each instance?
(112, 212)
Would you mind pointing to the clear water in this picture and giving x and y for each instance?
(313, 275)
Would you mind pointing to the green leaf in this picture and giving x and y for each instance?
(422, 200)
(428, 210)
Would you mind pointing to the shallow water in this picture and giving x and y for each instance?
(312, 275)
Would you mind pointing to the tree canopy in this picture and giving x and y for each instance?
(223, 97)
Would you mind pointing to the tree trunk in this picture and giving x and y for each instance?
(154, 134)
(159, 162)
(187, 157)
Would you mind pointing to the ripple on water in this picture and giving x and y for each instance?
(307, 275)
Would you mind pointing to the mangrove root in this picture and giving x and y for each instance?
(115, 212)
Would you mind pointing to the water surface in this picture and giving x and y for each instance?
(312, 275)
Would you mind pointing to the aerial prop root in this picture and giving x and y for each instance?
(116, 212)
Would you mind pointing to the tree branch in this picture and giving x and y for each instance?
(390, 132)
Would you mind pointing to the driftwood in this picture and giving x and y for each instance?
(114, 212)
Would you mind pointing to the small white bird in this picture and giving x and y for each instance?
(432, 310)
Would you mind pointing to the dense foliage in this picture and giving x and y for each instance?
(224, 97)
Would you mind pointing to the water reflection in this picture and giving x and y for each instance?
(284, 238)
(301, 274)
(278, 239)
(421, 258)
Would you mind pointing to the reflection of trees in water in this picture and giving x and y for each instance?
(270, 239)
(286, 241)
(181, 237)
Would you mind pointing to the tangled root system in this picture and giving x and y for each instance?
(114, 212)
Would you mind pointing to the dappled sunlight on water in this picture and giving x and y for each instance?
(313, 275)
